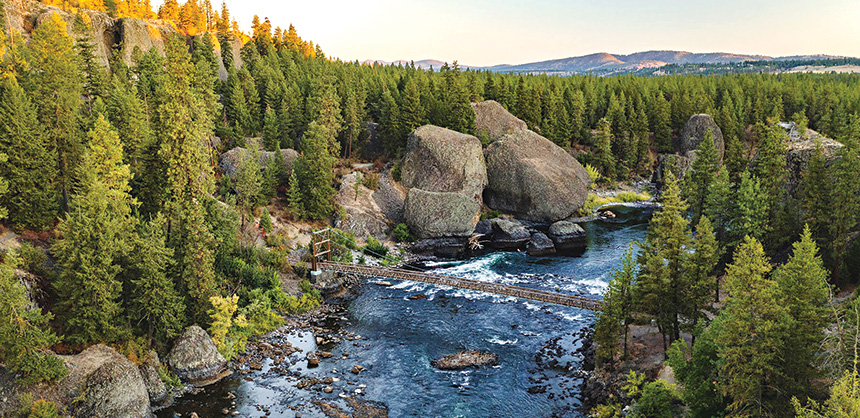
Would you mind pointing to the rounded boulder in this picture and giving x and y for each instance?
(195, 359)
(494, 121)
(442, 160)
(533, 178)
(440, 214)
(694, 133)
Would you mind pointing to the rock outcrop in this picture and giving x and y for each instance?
(465, 359)
(440, 214)
(195, 359)
(440, 247)
(494, 121)
(230, 159)
(676, 163)
(442, 160)
(694, 133)
(24, 16)
(390, 197)
(361, 215)
(799, 150)
(533, 178)
(100, 383)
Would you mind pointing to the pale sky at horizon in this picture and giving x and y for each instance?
(486, 32)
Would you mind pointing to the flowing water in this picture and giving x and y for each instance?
(538, 374)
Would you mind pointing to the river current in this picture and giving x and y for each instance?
(539, 371)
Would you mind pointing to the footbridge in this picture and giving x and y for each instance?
(321, 260)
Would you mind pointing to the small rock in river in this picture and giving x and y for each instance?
(357, 369)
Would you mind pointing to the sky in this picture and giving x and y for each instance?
(489, 32)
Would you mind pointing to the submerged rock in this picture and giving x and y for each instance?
(494, 121)
(440, 214)
(540, 244)
(465, 359)
(533, 178)
(195, 359)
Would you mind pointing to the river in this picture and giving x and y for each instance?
(538, 374)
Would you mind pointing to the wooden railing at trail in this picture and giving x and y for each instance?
(499, 289)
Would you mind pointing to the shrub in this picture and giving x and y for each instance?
(266, 221)
(43, 409)
(655, 402)
(226, 329)
(629, 197)
(593, 174)
(375, 248)
(395, 171)
(168, 377)
(490, 214)
(612, 410)
(402, 234)
(32, 259)
(371, 181)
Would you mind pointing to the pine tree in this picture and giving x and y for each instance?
(31, 167)
(700, 270)
(754, 325)
(193, 270)
(699, 181)
(271, 131)
(803, 290)
(95, 235)
(24, 332)
(94, 75)
(770, 169)
(846, 202)
(603, 157)
(313, 170)
(661, 123)
(56, 90)
(751, 211)
(699, 375)
(155, 303)
(663, 284)
(816, 191)
(248, 180)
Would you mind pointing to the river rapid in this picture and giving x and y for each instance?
(539, 371)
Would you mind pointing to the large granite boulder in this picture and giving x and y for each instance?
(694, 133)
(100, 383)
(440, 214)
(361, 215)
(509, 234)
(230, 160)
(442, 160)
(567, 235)
(390, 197)
(195, 359)
(494, 121)
(533, 178)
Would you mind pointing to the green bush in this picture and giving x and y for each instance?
(168, 377)
(374, 248)
(491, 214)
(32, 259)
(656, 401)
(266, 221)
(402, 234)
(371, 180)
(395, 171)
(593, 174)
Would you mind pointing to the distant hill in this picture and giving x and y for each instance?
(604, 63)
(644, 63)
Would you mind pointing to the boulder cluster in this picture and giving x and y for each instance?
(103, 383)
(449, 176)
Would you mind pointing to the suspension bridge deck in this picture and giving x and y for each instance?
(496, 288)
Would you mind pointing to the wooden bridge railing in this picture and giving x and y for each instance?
(496, 288)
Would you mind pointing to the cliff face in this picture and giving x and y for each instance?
(107, 34)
